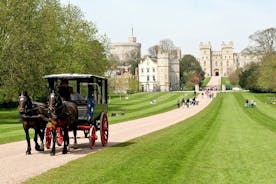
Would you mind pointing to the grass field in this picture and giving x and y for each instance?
(10, 128)
(137, 106)
(225, 143)
(205, 81)
(225, 81)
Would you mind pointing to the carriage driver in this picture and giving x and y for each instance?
(64, 90)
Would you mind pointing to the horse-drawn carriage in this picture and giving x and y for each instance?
(76, 102)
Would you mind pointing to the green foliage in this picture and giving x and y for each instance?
(234, 77)
(205, 81)
(267, 76)
(42, 37)
(249, 76)
(261, 77)
(133, 86)
(191, 72)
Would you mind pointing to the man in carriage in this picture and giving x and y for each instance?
(64, 90)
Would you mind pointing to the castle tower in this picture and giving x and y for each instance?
(205, 58)
(174, 70)
(163, 70)
(227, 58)
(126, 51)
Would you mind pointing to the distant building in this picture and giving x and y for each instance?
(127, 54)
(126, 51)
(160, 73)
(223, 62)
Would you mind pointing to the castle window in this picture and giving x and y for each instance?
(204, 63)
(153, 77)
(142, 70)
(147, 70)
(153, 69)
(148, 78)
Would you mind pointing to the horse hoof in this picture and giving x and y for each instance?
(65, 151)
(28, 153)
(75, 146)
(53, 153)
(37, 147)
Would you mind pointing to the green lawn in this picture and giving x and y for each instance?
(10, 128)
(205, 81)
(225, 80)
(225, 143)
(137, 106)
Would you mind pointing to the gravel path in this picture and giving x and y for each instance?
(16, 167)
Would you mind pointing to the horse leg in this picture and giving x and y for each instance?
(53, 151)
(75, 137)
(28, 151)
(35, 139)
(41, 132)
(65, 141)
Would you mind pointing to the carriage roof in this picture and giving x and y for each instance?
(72, 76)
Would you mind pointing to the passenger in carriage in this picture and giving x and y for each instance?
(74, 95)
(64, 90)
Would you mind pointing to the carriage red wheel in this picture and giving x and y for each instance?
(104, 128)
(59, 136)
(48, 135)
(92, 137)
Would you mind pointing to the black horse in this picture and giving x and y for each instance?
(63, 114)
(33, 115)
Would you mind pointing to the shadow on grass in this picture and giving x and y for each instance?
(84, 148)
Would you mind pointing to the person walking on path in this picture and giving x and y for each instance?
(187, 102)
(178, 103)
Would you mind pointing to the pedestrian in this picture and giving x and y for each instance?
(178, 103)
(183, 102)
(187, 102)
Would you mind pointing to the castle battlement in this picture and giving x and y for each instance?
(227, 45)
(205, 45)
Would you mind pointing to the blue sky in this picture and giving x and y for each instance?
(185, 22)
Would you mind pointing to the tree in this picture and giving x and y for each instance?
(42, 37)
(267, 74)
(165, 45)
(190, 66)
(264, 45)
(249, 77)
(234, 77)
(264, 42)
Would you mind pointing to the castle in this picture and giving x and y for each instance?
(159, 73)
(224, 62)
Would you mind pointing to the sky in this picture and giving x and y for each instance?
(185, 22)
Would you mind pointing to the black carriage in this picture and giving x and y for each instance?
(89, 93)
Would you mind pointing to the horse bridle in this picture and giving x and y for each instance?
(54, 104)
